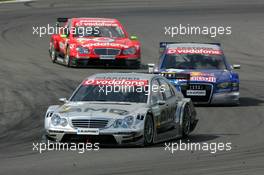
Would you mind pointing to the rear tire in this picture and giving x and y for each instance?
(148, 130)
(44, 139)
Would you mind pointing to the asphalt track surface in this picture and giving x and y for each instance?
(29, 83)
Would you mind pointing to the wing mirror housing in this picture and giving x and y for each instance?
(65, 33)
(63, 100)
(236, 66)
(133, 37)
(63, 36)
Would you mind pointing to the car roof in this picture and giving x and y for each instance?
(135, 76)
(195, 45)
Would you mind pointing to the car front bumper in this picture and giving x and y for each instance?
(225, 98)
(96, 61)
(105, 136)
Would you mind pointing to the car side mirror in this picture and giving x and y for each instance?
(161, 102)
(63, 100)
(133, 37)
(236, 66)
(65, 33)
(63, 36)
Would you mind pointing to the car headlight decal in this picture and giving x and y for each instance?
(127, 122)
(63, 122)
(224, 85)
(82, 50)
(235, 84)
(130, 51)
(56, 120)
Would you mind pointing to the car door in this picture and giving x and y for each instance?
(170, 103)
(158, 110)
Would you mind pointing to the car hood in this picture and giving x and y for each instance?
(100, 109)
(99, 42)
(205, 75)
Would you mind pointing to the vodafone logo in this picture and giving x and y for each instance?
(103, 40)
(194, 51)
(111, 82)
(96, 23)
(104, 45)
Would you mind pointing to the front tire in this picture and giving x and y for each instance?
(135, 64)
(148, 130)
(186, 122)
(67, 59)
(53, 54)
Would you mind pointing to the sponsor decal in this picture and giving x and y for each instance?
(202, 76)
(196, 92)
(193, 74)
(199, 78)
(88, 131)
(96, 23)
(107, 44)
(205, 51)
(117, 78)
(114, 82)
(103, 40)
(72, 46)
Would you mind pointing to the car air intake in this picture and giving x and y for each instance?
(106, 51)
(87, 123)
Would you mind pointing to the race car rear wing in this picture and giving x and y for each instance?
(62, 19)
(164, 44)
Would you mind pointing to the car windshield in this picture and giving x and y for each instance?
(133, 94)
(193, 61)
(99, 31)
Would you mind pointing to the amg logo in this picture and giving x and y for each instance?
(95, 110)
(114, 111)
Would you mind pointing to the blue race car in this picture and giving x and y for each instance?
(200, 71)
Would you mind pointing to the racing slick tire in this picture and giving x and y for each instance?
(46, 140)
(148, 130)
(53, 54)
(135, 64)
(186, 122)
(67, 59)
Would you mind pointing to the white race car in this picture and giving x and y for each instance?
(121, 108)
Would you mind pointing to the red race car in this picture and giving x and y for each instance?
(93, 41)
